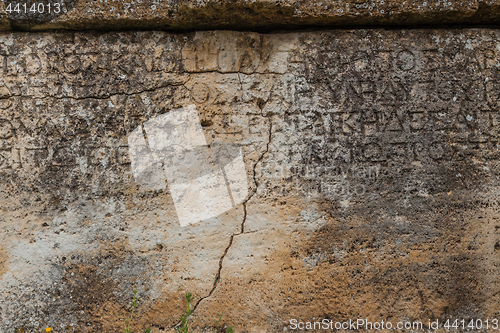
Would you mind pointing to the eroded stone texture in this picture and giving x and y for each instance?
(240, 14)
(372, 158)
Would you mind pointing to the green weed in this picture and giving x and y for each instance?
(217, 324)
(184, 326)
(134, 305)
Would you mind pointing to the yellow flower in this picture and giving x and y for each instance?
(48, 329)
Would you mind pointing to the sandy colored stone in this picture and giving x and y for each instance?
(371, 158)
(244, 14)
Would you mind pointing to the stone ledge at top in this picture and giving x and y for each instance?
(182, 15)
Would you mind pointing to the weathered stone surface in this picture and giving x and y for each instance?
(372, 158)
(242, 14)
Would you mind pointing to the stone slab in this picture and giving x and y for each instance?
(372, 158)
(241, 14)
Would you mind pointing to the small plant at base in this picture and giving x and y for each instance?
(134, 305)
(184, 327)
(217, 323)
(185, 317)
(216, 328)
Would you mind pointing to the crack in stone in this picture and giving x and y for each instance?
(241, 84)
(242, 230)
(99, 97)
(154, 89)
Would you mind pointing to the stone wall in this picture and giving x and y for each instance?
(372, 158)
